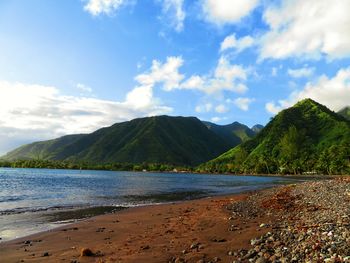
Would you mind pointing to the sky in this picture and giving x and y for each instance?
(73, 66)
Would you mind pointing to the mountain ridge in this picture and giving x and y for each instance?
(298, 139)
(159, 139)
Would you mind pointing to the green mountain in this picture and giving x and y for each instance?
(306, 138)
(257, 128)
(345, 112)
(161, 139)
(233, 134)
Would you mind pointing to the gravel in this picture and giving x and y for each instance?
(312, 223)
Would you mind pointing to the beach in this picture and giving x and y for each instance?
(305, 222)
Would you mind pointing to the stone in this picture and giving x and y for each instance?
(86, 252)
(261, 260)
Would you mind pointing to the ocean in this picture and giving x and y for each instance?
(34, 200)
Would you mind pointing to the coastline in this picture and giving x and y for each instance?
(282, 222)
(153, 233)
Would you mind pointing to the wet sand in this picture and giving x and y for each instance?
(189, 231)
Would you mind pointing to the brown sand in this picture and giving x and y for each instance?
(159, 233)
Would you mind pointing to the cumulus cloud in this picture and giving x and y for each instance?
(97, 7)
(31, 112)
(227, 11)
(239, 44)
(332, 92)
(165, 73)
(175, 13)
(243, 103)
(307, 29)
(221, 108)
(301, 72)
(227, 76)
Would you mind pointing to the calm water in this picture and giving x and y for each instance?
(33, 200)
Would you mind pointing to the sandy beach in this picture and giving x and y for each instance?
(159, 233)
(269, 225)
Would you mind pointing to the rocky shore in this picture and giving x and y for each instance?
(311, 223)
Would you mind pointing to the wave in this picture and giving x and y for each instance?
(11, 198)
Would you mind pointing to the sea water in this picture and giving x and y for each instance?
(33, 200)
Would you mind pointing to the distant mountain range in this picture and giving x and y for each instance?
(306, 138)
(160, 139)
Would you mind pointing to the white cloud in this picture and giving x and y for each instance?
(231, 42)
(97, 7)
(166, 73)
(227, 76)
(204, 108)
(31, 112)
(243, 103)
(227, 11)
(272, 108)
(173, 9)
(194, 82)
(218, 119)
(221, 108)
(84, 88)
(307, 29)
(332, 92)
(301, 72)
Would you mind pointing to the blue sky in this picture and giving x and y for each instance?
(72, 66)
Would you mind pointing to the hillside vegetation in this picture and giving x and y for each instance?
(306, 138)
(161, 139)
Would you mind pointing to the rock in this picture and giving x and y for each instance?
(27, 242)
(179, 260)
(219, 240)
(145, 247)
(46, 254)
(261, 260)
(194, 245)
(86, 252)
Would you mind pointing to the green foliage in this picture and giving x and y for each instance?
(307, 138)
(162, 139)
(52, 164)
(233, 134)
(345, 112)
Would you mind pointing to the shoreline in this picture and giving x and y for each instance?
(191, 172)
(282, 222)
(110, 210)
(65, 242)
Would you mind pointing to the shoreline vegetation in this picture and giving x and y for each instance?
(292, 223)
(127, 167)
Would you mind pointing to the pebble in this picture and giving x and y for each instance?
(313, 225)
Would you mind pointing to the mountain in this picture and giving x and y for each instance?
(233, 134)
(161, 139)
(257, 128)
(345, 112)
(306, 138)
